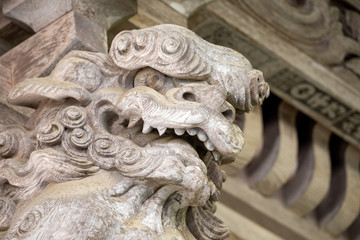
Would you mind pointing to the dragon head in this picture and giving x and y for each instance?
(158, 112)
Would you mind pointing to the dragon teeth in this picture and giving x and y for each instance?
(179, 132)
(216, 155)
(161, 130)
(146, 128)
(133, 120)
(209, 145)
(192, 131)
(202, 135)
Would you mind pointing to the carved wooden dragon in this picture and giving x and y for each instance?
(126, 145)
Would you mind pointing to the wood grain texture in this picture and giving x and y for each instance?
(10, 111)
(303, 200)
(10, 33)
(38, 55)
(143, 20)
(161, 11)
(342, 92)
(35, 14)
(184, 13)
(130, 141)
(11, 117)
(292, 56)
(106, 13)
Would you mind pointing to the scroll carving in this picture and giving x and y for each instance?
(328, 31)
(127, 145)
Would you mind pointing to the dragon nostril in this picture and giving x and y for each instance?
(228, 114)
(188, 96)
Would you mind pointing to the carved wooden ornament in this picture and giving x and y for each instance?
(127, 145)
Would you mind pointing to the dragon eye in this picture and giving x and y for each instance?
(156, 82)
(151, 78)
(188, 96)
(82, 72)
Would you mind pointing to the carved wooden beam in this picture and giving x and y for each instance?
(37, 14)
(37, 55)
(312, 180)
(60, 26)
(184, 13)
(10, 34)
(298, 79)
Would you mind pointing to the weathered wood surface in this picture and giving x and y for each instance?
(37, 55)
(304, 192)
(8, 116)
(184, 13)
(336, 104)
(10, 34)
(332, 103)
(35, 14)
(289, 70)
(137, 134)
(10, 113)
(105, 13)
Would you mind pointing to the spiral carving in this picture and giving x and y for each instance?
(173, 47)
(124, 43)
(258, 89)
(103, 150)
(143, 44)
(50, 133)
(29, 222)
(180, 53)
(135, 162)
(153, 47)
(142, 40)
(127, 156)
(76, 141)
(81, 137)
(8, 144)
(73, 117)
(24, 228)
(7, 210)
(204, 225)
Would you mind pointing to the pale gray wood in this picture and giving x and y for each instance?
(39, 54)
(35, 14)
(126, 145)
